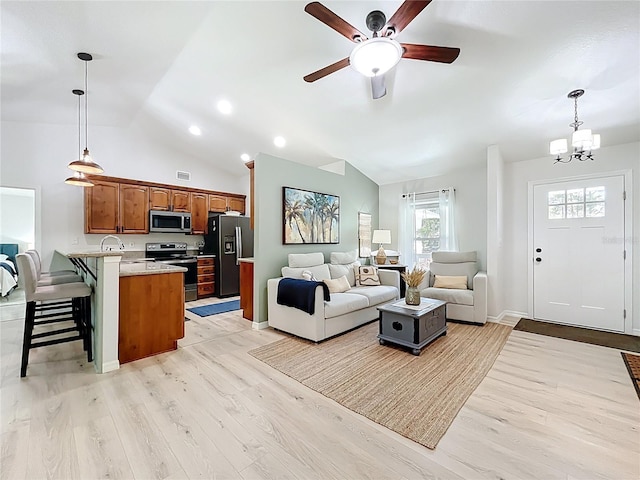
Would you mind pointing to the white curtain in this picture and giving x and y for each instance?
(448, 237)
(407, 229)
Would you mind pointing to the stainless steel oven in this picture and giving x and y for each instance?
(176, 254)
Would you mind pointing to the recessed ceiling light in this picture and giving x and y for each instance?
(245, 157)
(224, 106)
(194, 130)
(279, 141)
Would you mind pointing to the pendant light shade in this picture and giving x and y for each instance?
(85, 164)
(78, 179)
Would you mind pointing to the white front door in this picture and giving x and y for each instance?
(578, 243)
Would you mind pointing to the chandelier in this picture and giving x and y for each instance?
(583, 141)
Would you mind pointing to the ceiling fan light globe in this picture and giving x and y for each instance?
(556, 147)
(375, 56)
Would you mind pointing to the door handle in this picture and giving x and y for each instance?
(538, 259)
(538, 250)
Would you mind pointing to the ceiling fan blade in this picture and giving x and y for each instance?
(326, 16)
(323, 72)
(403, 16)
(430, 53)
(378, 90)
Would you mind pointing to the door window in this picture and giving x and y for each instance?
(576, 203)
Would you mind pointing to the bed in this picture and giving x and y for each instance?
(8, 271)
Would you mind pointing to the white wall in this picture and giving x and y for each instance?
(517, 176)
(36, 156)
(495, 231)
(471, 206)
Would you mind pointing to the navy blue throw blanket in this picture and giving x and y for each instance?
(300, 294)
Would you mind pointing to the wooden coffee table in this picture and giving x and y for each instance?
(413, 327)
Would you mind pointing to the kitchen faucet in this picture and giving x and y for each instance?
(102, 247)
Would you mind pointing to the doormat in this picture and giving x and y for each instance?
(633, 367)
(578, 334)
(215, 308)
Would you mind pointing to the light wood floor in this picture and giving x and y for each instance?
(548, 409)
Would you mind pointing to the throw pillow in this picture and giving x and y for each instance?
(308, 275)
(338, 285)
(456, 282)
(348, 270)
(367, 276)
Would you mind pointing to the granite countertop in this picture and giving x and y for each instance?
(246, 260)
(92, 253)
(148, 268)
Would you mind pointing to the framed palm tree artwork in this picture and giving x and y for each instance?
(310, 217)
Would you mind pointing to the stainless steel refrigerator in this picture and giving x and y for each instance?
(229, 238)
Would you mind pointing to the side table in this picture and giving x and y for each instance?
(397, 268)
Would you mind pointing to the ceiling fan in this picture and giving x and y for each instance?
(375, 56)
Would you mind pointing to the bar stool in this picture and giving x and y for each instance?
(52, 278)
(45, 300)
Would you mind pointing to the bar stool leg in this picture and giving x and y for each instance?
(86, 313)
(29, 315)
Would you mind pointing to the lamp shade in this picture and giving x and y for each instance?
(556, 147)
(375, 56)
(381, 236)
(79, 180)
(582, 139)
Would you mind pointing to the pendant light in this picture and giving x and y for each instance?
(86, 163)
(78, 178)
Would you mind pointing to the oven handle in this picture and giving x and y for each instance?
(175, 262)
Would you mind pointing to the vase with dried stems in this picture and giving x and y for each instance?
(413, 279)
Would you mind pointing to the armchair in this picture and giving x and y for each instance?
(468, 305)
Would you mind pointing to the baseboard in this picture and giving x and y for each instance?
(109, 366)
(259, 325)
(636, 332)
(506, 313)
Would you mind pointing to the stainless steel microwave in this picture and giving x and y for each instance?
(169, 222)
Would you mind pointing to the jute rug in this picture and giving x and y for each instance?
(415, 396)
(586, 335)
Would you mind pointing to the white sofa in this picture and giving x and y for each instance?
(344, 311)
(468, 305)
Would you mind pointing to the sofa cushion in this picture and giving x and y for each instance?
(343, 258)
(320, 272)
(444, 281)
(347, 270)
(367, 275)
(306, 259)
(377, 294)
(343, 303)
(449, 295)
(338, 285)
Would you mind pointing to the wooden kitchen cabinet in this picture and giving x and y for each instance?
(180, 201)
(134, 216)
(246, 289)
(151, 315)
(206, 277)
(112, 207)
(159, 198)
(222, 203)
(237, 204)
(169, 199)
(217, 203)
(199, 212)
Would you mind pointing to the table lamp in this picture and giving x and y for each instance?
(380, 237)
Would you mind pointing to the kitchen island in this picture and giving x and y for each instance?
(151, 310)
(103, 271)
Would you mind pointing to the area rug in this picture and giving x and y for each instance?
(577, 334)
(415, 396)
(215, 308)
(633, 367)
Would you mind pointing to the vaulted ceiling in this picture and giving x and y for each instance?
(164, 65)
